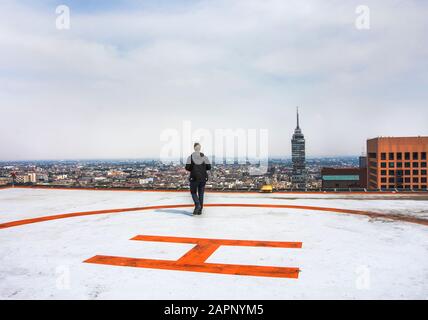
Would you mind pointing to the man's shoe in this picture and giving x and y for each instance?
(197, 211)
(200, 211)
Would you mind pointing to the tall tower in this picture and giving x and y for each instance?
(298, 178)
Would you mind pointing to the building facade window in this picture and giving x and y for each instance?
(415, 156)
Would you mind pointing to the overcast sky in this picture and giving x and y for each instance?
(127, 70)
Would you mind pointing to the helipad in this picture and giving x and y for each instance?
(81, 244)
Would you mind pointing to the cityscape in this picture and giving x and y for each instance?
(153, 174)
(405, 170)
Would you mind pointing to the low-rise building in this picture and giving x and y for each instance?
(5, 181)
(343, 178)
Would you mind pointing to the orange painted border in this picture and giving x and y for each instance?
(194, 259)
(370, 214)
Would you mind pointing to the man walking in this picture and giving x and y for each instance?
(198, 164)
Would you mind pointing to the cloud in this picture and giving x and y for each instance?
(124, 73)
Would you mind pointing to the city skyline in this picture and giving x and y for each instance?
(126, 71)
(157, 175)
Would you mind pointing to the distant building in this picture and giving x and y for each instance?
(397, 162)
(22, 179)
(145, 180)
(298, 178)
(42, 177)
(344, 178)
(5, 181)
(32, 177)
(362, 160)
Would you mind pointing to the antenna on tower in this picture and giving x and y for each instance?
(297, 111)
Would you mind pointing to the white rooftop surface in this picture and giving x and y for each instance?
(344, 256)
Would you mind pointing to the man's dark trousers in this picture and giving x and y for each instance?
(197, 189)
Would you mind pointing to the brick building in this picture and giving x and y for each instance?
(397, 162)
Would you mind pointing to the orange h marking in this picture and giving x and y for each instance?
(194, 259)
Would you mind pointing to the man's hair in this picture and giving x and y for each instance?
(196, 144)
